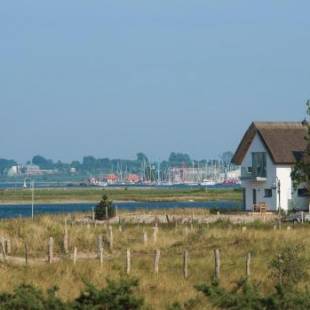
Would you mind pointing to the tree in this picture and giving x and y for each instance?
(301, 171)
(6, 164)
(179, 160)
(104, 210)
(42, 162)
(226, 158)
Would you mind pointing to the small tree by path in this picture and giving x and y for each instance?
(105, 209)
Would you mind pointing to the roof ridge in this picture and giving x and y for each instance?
(259, 125)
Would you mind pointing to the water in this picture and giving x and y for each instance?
(24, 210)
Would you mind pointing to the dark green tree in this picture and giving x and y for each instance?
(5, 164)
(301, 170)
(105, 209)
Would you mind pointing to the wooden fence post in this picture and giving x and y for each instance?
(128, 261)
(66, 239)
(99, 245)
(248, 265)
(8, 246)
(145, 238)
(217, 264)
(111, 237)
(185, 264)
(74, 255)
(155, 231)
(186, 231)
(3, 248)
(156, 261)
(93, 214)
(26, 253)
(50, 250)
(101, 256)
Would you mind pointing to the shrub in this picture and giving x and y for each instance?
(104, 210)
(117, 295)
(288, 270)
(289, 267)
(27, 297)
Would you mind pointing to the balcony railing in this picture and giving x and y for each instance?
(253, 173)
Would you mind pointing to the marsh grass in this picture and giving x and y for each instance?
(55, 195)
(169, 286)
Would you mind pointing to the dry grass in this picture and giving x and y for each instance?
(169, 286)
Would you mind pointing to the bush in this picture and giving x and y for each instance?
(117, 295)
(104, 210)
(289, 267)
(27, 297)
(288, 270)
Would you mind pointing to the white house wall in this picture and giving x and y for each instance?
(284, 175)
(258, 146)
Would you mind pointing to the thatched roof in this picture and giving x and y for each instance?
(282, 140)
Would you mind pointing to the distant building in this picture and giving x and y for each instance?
(186, 175)
(14, 171)
(133, 178)
(33, 170)
(72, 170)
(267, 154)
(111, 178)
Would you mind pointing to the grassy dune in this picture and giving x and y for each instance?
(260, 239)
(90, 195)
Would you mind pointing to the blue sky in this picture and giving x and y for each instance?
(112, 78)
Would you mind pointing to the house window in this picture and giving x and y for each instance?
(303, 192)
(268, 193)
(259, 164)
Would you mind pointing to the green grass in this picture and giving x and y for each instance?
(91, 195)
(169, 286)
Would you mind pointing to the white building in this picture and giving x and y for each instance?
(267, 154)
(14, 171)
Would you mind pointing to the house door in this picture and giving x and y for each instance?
(254, 196)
